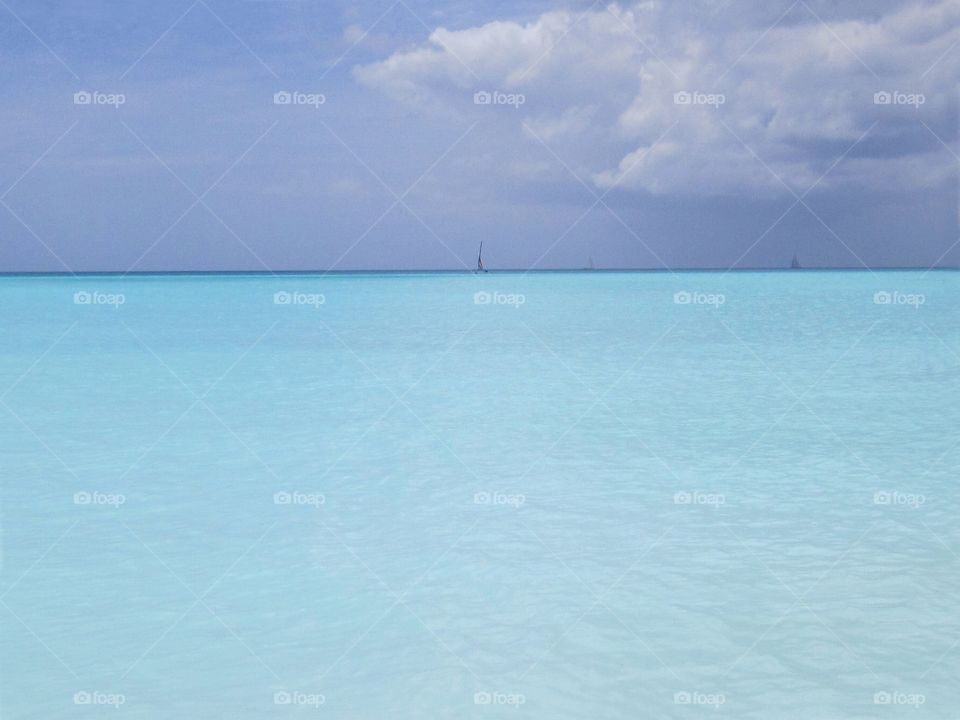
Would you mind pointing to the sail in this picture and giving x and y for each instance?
(480, 266)
(795, 263)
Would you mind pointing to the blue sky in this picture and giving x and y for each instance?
(709, 133)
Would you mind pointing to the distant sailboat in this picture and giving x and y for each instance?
(480, 267)
(590, 266)
(795, 263)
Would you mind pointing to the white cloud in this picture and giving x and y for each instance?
(798, 94)
(570, 123)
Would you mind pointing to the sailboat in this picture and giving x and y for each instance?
(795, 263)
(590, 264)
(480, 267)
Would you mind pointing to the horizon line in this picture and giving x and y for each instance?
(440, 271)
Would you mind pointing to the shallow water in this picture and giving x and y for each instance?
(390, 498)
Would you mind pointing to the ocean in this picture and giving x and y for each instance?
(506, 495)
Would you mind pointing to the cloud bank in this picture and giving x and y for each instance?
(661, 98)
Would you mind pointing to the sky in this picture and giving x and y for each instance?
(270, 135)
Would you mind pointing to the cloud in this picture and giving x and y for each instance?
(655, 97)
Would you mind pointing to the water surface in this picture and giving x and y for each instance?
(603, 495)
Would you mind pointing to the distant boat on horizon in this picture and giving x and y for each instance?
(480, 267)
(795, 263)
(590, 264)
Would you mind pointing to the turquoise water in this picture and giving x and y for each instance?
(389, 498)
